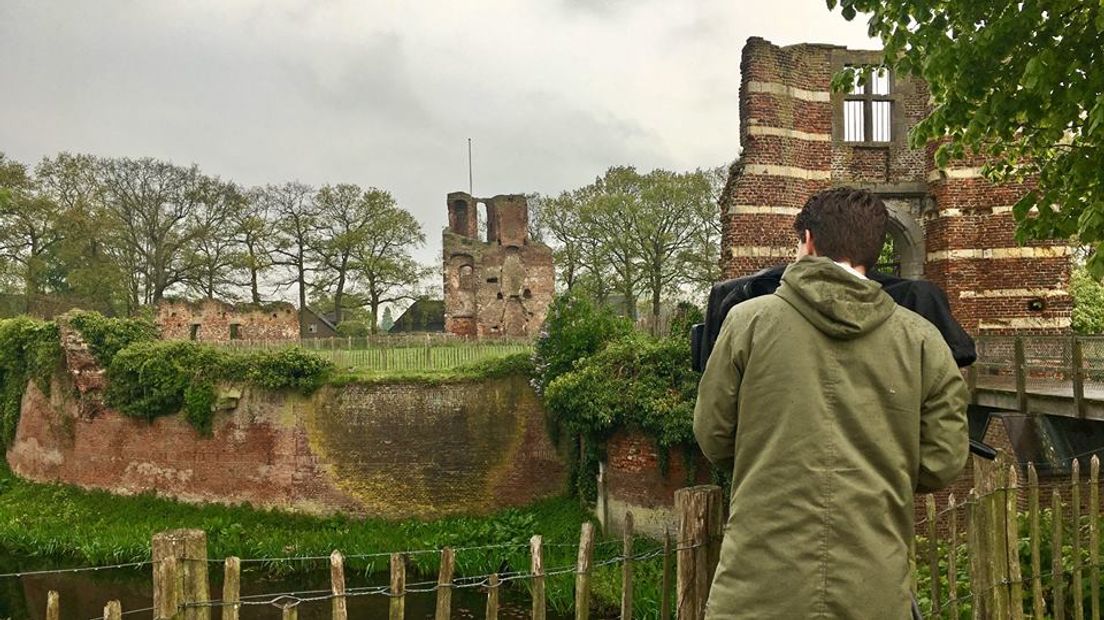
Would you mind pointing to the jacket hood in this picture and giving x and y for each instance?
(833, 300)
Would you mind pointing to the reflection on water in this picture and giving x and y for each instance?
(83, 595)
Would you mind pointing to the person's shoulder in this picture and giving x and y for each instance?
(914, 324)
(756, 309)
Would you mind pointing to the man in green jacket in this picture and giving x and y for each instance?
(832, 405)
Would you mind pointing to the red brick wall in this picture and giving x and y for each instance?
(791, 148)
(273, 321)
(392, 450)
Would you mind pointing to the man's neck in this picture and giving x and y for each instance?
(858, 271)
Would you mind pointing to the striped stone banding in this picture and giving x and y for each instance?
(1062, 322)
(763, 210)
(1013, 292)
(955, 212)
(1056, 251)
(954, 173)
(776, 88)
(762, 251)
(763, 130)
(793, 172)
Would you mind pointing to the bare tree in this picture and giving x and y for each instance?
(296, 228)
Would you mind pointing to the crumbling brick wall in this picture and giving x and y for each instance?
(211, 320)
(501, 286)
(953, 227)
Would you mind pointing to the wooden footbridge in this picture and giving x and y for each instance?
(1054, 375)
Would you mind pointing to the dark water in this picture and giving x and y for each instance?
(83, 595)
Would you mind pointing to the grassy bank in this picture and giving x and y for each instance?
(96, 528)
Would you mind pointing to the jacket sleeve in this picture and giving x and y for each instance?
(715, 412)
(944, 431)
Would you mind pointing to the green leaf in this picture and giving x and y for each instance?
(849, 12)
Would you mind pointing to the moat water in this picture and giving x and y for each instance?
(83, 595)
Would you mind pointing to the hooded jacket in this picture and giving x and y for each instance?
(832, 405)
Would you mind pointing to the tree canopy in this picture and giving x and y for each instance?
(1017, 82)
(114, 234)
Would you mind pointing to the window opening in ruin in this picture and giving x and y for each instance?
(312, 328)
(460, 208)
(235, 331)
(868, 109)
(492, 280)
(527, 294)
(194, 332)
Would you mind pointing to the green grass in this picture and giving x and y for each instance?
(518, 363)
(70, 525)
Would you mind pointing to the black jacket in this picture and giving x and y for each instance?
(920, 296)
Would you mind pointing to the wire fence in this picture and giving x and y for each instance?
(1010, 549)
(396, 353)
(1043, 363)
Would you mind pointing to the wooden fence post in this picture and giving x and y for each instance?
(53, 607)
(536, 552)
(1075, 533)
(492, 597)
(398, 587)
(582, 572)
(627, 569)
(933, 553)
(291, 611)
(339, 607)
(180, 575)
(665, 595)
(952, 557)
(1078, 377)
(444, 585)
(976, 542)
(1057, 575)
(113, 611)
(700, 511)
(1038, 607)
(1012, 546)
(1094, 535)
(1021, 374)
(231, 588)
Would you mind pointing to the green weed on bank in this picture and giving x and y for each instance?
(74, 526)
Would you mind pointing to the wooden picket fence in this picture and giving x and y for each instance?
(1002, 552)
(181, 587)
(414, 353)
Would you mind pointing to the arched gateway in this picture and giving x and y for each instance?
(949, 226)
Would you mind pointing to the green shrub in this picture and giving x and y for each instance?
(686, 316)
(635, 382)
(287, 369)
(151, 379)
(575, 329)
(148, 379)
(106, 336)
(29, 350)
(354, 328)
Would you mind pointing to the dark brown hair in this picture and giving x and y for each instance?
(847, 224)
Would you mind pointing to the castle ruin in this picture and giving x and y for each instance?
(500, 286)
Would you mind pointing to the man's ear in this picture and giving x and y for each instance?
(810, 243)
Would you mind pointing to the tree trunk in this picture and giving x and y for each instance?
(302, 277)
(373, 307)
(254, 291)
(655, 308)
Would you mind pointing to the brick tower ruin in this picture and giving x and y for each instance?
(950, 226)
(501, 286)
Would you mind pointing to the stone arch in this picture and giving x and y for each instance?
(908, 236)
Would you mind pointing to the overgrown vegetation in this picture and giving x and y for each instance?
(66, 524)
(151, 379)
(599, 375)
(29, 350)
(1088, 302)
(516, 364)
(106, 336)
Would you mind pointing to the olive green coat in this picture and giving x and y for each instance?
(832, 405)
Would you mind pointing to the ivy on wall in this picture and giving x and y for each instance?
(599, 375)
(29, 350)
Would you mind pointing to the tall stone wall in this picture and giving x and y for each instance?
(392, 450)
(211, 320)
(501, 286)
(952, 226)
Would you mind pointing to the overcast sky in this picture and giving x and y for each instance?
(386, 93)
